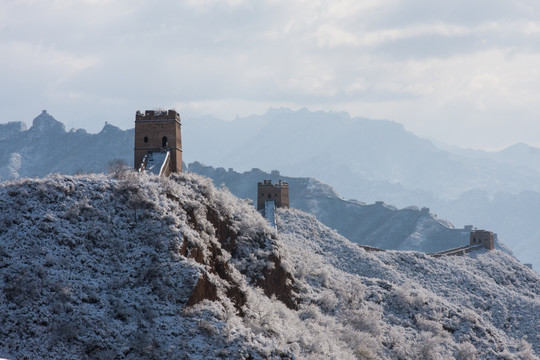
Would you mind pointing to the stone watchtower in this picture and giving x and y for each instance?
(158, 132)
(484, 238)
(279, 193)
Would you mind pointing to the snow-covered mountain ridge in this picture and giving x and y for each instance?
(463, 307)
(367, 160)
(93, 267)
(379, 224)
(143, 267)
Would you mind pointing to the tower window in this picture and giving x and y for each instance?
(164, 142)
(146, 139)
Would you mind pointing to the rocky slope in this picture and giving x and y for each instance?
(93, 267)
(142, 267)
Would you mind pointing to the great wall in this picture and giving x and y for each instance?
(158, 150)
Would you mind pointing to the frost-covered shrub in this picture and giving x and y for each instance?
(328, 301)
(430, 348)
(406, 298)
(526, 351)
(21, 286)
(366, 319)
(365, 350)
(397, 342)
(430, 326)
(466, 351)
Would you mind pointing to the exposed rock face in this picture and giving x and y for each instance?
(203, 290)
(275, 280)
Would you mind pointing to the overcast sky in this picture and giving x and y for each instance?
(466, 72)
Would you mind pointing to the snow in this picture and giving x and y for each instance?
(484, 301)
(156, 161)
(269, 212)
(101, 267)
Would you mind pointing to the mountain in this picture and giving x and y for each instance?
(361, 159)
(46, 148)
(11, 129)
(93, 267)
(378, 160)
(521, 155)
(349, 153)
(378, 225)
(96, 267)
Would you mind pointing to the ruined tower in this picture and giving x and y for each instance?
(278, 193)
(158, 136)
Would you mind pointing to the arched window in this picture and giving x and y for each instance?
(146, 139)
(164, 142)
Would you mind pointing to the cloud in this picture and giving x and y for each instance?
(408, 61)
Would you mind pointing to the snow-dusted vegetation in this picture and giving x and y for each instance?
(413, 306)
(144, 267)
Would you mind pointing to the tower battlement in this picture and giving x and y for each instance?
(158, 131)
(278, 193)
(484, 238)
(157, 115)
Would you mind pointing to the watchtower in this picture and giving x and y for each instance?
(279, 193)
(158, 132)
(483, 237)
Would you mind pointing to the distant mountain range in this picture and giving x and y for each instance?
(378, 225)
(360, 158)
(47, 148)
(367, 160)
(378, 160)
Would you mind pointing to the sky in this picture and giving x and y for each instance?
(459, 71)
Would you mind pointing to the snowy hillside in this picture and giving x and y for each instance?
(95, 267)
(407, 305)
(362, 159)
